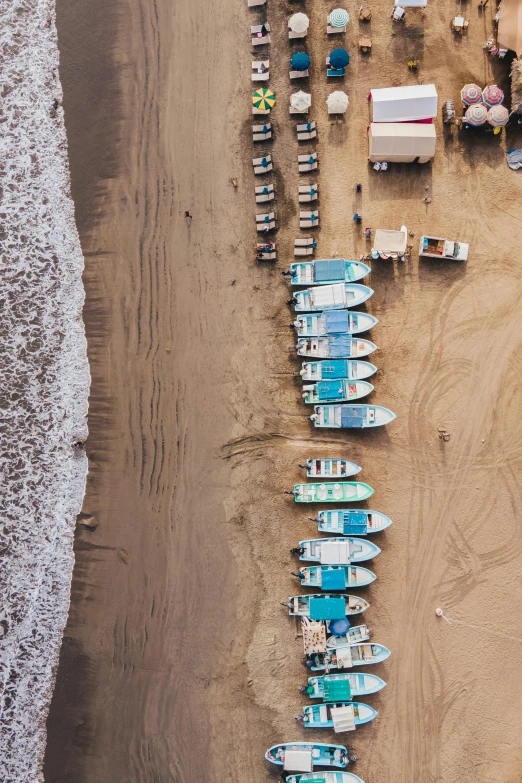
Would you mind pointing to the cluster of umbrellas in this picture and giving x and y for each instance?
(484, 105)
(337, 101)
(339, 58)
(299, 23)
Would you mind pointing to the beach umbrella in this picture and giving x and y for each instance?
(298, 23)
(339, 17)
(492, 95)
(337, 102)
(300, 100)
(476, 114)
(263, 99)
(300, 61)
(498, 116)
(339, 627)
(339, 58)
(471, 93)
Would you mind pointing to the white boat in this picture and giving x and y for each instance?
(331, 297)
(351, 416)
(334, 346)
(330, 467)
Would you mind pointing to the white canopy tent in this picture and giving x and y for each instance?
(411, 3)
(405, 104)
(401, 142)
(509, 34)
(390, 243)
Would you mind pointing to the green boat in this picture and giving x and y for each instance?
(342, 491)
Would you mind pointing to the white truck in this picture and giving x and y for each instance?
(436, 247)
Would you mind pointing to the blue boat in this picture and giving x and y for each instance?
(333, 322)
(330, 467)
(325, 777)
(326, 271)
(337, 551)
(340, 716)
(336, 369)
(325, 607)
(335, 391)
(304, 756)
(345, 686)
(347, 656)
(351, 416)
(338, 492)
(340, 577)
(331, 297)
(334, 346)
(352, 522)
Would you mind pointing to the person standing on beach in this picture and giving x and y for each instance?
(187, 215)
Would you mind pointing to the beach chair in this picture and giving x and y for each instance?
(307, 162)
(260, 70)
(365, 44)
(266, 222)
(262, 132)
(309, 219)
(305, 246)
(333, 71)
(262, 165)
(264, 193)
(306, 131)
(299, 74)
(253, 3)
(266, 251)
(260, 34)
(293, 110)
(291, 34)
(308, 193)
(255, 110)
(333, 30)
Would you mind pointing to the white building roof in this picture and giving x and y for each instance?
(403, 104)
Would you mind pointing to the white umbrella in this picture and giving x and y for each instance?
(298, 23)
(300, 100)
(337, 102)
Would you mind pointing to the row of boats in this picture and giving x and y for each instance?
(328, 333)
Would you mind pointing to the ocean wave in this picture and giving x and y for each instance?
(44, 381)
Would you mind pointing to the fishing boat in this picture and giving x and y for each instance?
(334, 346)
(304, 756)
(339, 716)
(326, 271)
(333, 322)
(343, 687)
(351, 416)
(336, 391)
(343, 491)
(353, 635)
(347, 656)
(325, 777)
(352, 522)
(337, 551)
(330, 467)
(336, 369)
(326, 607)
(331, 297)
(327, 577)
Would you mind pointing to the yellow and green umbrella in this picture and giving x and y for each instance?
(263, 99)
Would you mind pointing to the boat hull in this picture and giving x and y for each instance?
(320, 323)
(361, 684)
(351, 416)
(328, 777)
(314, 717)
(336, 391)
(337, 523)
(338, 492)
(303, 273)
(337, 369)
(339, 296)
(355, 576)
(328, 467)
(299, 605)
(316, 661)
(327, 755)
(334, 347)
(359, 550)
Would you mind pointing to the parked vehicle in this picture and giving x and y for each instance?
(436, 247)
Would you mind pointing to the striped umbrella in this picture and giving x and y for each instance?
(471, 93)
(476, 114)
(498, 116)
(339, 17)
(299, 23)
(492, 95)
(263, 99)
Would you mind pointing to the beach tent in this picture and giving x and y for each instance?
(401, 142)
(411, 3)
(509, 34)
(405, 104)
(390, 243)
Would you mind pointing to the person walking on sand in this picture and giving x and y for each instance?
(187, 215)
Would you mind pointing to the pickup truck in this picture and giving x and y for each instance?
(436, 247)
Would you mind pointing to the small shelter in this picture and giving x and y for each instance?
(509, 33)
(390, 244)
(415, 103)
(401, 142)
(411, 3)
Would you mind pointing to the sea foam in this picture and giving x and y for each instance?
(44, 381)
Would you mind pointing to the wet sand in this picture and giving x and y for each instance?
(178, 661)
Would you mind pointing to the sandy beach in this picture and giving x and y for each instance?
(178, 662)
